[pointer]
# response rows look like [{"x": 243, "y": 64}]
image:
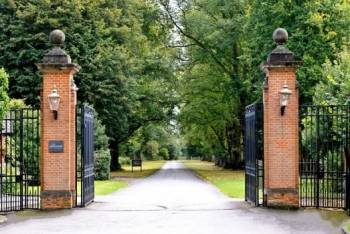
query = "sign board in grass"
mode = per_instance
[
  {"x": 148, "y": 168},
  {"x": 136, "y": 163}
]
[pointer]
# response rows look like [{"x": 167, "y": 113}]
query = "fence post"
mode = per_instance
[
  {"x": 58, "y": 108},
  {"x": 281, "y": 124}
]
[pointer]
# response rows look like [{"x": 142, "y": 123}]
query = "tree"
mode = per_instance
[
  {"x": 335, "y": 87},
  {"x": 4, "y": 98},
  {"x": 119, "y": 45},
  {"x": 149, "y": 141},
  {"x": 164, "y": 154},
  {"x": 214, "y": 89},
  {"x": 226, "y": 41},
  {"x": 317, "y": 30}
]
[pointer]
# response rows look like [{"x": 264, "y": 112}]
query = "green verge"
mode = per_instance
[
  {"x": 148, "y": 168},
  {"x": 230, "y": 182},
  {"x": 105, "y": 187}
]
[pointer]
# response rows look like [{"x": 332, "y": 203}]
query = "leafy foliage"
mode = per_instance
[
  {"x": 317, "y": 29},
  {"x": 335, "y": 87},
  {"x": 164, "y": 154},
  {"x": 152, "y": 150},
  {"x": 102, "y": 164},
  {"x": 145, "y": 62},
  {"x": 223, "y": 43},
  {"x": 119, "y": 45},
  {"x": 4, "y": 99}
]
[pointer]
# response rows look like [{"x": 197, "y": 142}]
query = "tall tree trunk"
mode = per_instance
[
  {"x": 233, "y": 132},
  {"x": 234, "y": 154},
  {"x": 237, "y": 159},
  {"x": 114, "y": 149}
]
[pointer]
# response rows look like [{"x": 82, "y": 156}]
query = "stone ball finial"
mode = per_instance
[
  {"x": 57, "y": 37},
  {"x": 280, "y": 36}
]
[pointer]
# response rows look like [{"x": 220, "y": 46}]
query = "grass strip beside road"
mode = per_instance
[
  {"x": 105, "y": 187},
  {"x": 230, "y": 182},
  {"x": 148, "y": 168},
  {"x": 119, "y": 179}
]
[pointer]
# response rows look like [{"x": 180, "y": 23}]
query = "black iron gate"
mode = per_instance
[
  {"x": 325, "y": 156},
  {"x": 253, "y": 153},
  {"x": 19, "y": 160},
  {"x": 85, "y": 156}
]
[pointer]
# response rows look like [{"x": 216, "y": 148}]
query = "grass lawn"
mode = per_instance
[
  {"x": 148, "y": 168},
  {"x": 230, "y": 182},
  {"x": 105, "y": 187}
]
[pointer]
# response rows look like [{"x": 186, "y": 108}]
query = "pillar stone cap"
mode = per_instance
[
  {"x": 58, "y": 66},
  {"x": 57, "y": 54},
  {"x": 281, "y": 55},
  {"x": 57, "y": 58}
]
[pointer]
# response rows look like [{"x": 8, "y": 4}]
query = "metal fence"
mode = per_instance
[
  {"x": 324, "y": 157},
  {"x": 19, "y": 160}
]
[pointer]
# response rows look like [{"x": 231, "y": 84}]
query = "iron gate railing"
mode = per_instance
[
  {"x": 253, "y": 153},
  {"x": 85, "y": 156},
  {"x": 19, "y": 160},
  {"x": 324, "y": 157}
]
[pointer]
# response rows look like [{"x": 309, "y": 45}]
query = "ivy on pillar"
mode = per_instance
[
  {"x": 281, "y": 121},
  {"x": 58, "y": 133}
]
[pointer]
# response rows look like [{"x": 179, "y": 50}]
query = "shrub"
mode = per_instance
[
  {"x": 164, "y": 154},
  {"x": 124, "y": 161},
  {"x": 8, "y": 182},
  {"x": 4, "y": 98},
  {"x": 29, "y": 134},
  {"x": 152, "y": 150},
  {"x": 102, "y": 164},
  {"x": 172, "y": 152}
]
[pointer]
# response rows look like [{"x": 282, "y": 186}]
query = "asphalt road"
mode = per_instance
[{"x": 173, "y": 200}]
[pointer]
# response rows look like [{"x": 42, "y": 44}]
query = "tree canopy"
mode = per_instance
[
  {"x": 126, "y": 69},
  {"x": 168, "y": 73},
  {"x": 225, "y": 41},
  {"x": 4, "y": 98}
]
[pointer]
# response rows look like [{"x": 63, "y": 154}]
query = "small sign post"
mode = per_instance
[{"x": 136, "y": 163}]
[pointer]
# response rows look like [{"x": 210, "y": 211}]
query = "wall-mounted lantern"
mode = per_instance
[
  {"x": 284, "y": 97},
  {"x": 54, "y": 102},
  {"x": 75, "y": 89}
]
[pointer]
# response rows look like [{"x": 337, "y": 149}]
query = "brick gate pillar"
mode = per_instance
[
  {"x": 281, "y": 135},
  {"x": 58, "y": 127}
]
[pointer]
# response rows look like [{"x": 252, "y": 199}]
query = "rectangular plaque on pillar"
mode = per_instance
[{"x": 56, "y": 146}]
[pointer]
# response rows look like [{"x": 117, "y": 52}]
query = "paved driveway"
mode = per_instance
[{"x": 174, "y": 200}]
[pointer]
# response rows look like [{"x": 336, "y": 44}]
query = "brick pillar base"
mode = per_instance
[
  {"x": 56, "y": 199},
  {"x": 283, "y": 198}
]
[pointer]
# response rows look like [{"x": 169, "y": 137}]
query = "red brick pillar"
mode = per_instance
[
  {"x": 58, "y": 135},
  {"x": 281, "y": 136}
]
